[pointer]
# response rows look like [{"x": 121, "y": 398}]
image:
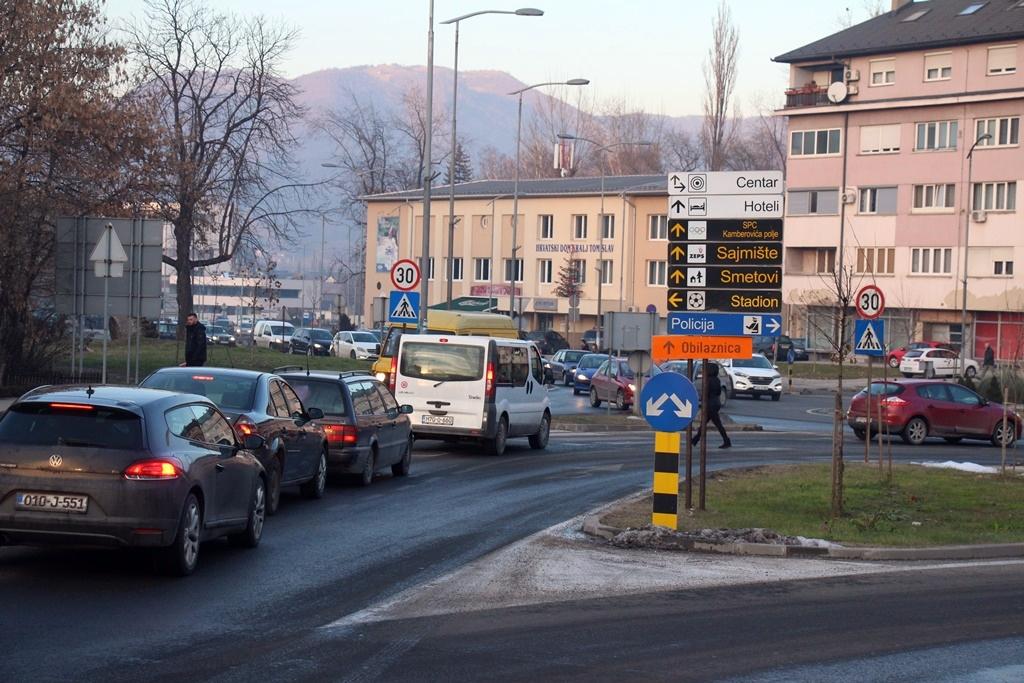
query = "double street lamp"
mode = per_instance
[
  {"x": 969, "y": 202},
  {"x": 522, "y": 12},
  {"x": 601, "y": 215},
  {"x": 515, "y": 191}
]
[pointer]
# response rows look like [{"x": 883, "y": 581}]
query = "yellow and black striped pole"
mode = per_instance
[{"x": 666, "y": 480}]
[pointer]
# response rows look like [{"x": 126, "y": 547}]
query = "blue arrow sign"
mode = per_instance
[
  {"x": 403, "y": 307},
  {"x": 869, "y": 338},
  {"x": 669, "y": 402},
  {"x": 724, "y": 324}
]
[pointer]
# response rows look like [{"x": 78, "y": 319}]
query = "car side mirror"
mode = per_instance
[
  {"x": 405, "y": 409},
  {"x": 315, "y": 413},
  {"x": 253, "y": 442}
]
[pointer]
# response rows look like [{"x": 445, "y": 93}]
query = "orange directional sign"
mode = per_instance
[{"x": 677, "y": 347}]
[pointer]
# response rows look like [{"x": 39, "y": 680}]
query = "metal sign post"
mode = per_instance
[
  {"x": 108, "y": 259},
  {"x": 668, "y": 402}
]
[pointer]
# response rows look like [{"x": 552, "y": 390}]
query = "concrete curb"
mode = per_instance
[
  {"x": 592, "y": 526},
  {"x": 557, "y": 425}
]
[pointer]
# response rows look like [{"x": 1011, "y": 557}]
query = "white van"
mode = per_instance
[
  {"x": 482, "y": 388},
  {"x": 273, "y": 334}
]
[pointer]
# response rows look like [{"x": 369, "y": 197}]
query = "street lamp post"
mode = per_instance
[
  {"x": 490, "y": 254},
  {"x": 969, "y": 203},
  {"x": 515, "y": 191},
  {"x": 522, "y": 12},
  {"x": 601, "y": 215}
]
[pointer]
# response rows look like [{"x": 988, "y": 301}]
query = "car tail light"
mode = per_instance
[
  {"x": 70, "y": 406},
  {"x": 341, "y": 434},
  {"x": 244, "y": 426},
  {"x": 893, "y": 401},
  {"x": 392, "y": 375},
  {"x": 489, "y": 388},
  {"x": 154, "y": 468}
]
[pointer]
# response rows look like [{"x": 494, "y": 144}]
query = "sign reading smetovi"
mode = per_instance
[{"x": 668, "y": 347}]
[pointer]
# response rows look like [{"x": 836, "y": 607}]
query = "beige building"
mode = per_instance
[{"x": 619, "y": 254}]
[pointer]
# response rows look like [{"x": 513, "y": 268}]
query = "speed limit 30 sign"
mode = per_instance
[
  {"x": 405, "y": 275},
  {"x": 870, "y": 302}
]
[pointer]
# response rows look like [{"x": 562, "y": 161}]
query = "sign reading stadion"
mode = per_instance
[{"x": 572, "y": 248}]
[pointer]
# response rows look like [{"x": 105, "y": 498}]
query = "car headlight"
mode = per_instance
[
  {"x": 582, "y": 377},
  {"x": 317, "y": 346},
  {"x": 231, "y": 339},
  {"x": 632, "y": 387},
  {"x": 547, "y": 366},
  {"x": 741, "y": 374},
  {"x": 381, "y": 377}
]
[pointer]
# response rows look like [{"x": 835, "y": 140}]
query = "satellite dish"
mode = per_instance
[{"x": 837, "y": 92}]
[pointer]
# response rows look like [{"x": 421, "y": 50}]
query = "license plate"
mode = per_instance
[
  {"x": 438, "y": 420},
  {"x": 51, "y": 502}
]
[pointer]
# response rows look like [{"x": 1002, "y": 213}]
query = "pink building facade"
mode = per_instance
[{"x": 882, "y": 118}]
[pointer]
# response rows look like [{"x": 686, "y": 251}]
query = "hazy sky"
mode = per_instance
[{"x": 647, "y": 52}]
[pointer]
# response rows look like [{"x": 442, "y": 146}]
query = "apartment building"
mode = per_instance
[{"x": 881, "y": 177}]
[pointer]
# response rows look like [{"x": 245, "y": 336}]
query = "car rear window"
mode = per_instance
[
  {"x": 228, "y": 392},
  {"x": 85, "y": 426},
  {"x": 573, "y": 356},
  {"x": 323, "y": 394},
  {"x": 888, "y": 389},
  {"x": 916, "y": 353},
  {"x": 590, "y": 362},
  {"x": 442, "y": 362}
]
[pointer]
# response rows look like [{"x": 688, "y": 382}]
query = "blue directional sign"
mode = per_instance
[
  {"x": 403, "y": 307},
  {"x": 724, "y": 324},
  {"x": 669, "y": 402},
  {"x": 869, "y": 338}
]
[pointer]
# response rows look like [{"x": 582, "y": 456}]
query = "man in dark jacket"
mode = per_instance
[
  {"x": 989, "y": 364},
  {"x": 714, "y": 406},
  {"x": 195, "y": 342}
]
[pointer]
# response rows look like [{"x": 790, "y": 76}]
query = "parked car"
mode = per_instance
[
  {"x": 585, "y": 369},
  {"x": 548, "y": 341},
  {"x": 896, "y": 355},
  {"x": 591, "y": 342},
  {"x": 473, "y": 388},
  {"x": 219, "y": 335},
  {"x": 226, "y": 324},
  {"x": 935, "y": 363},
  {"x": 273, "y": 334},
  {"x": 357, "y": 344},
  {"x": 562, "y": 365},
  {"x": 800, "y": 349},
  {"x": 313, "y": 341},
  {"x": 918, "y": 409},
  {"x": 679, "y": 367},
  {"x": 366, "y": 428},
  {"x": 128, "y": 467},
  {"x": 775, "y": 348},
  {"x": 615, "y": 382},
  {"x": 755, "y": 377},
  {"x": 244, "y": 335},
  {"x": 295, "y": 447}
]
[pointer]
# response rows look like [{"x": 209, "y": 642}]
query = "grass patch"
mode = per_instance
[
  {"x": 159, "y": 353},
  {"x": 949, "y": 507}
]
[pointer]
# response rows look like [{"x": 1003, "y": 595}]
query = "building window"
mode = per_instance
[
  {"x": 430, "y": 268},
  {"x": 546, "y": 272},
  {"x": 999, "y": 196},
  {"x": 1002, "y": 268},
  {"x": 1005, "y": 131},
  {"x": 579, "y": 268},
  {"x": 656, "y": 273},
  {"x": 810, "y": 260},
  {"x": 518, "y": 272},
  {"x": 606, "y": 269},
  {"x": 546, "y": 226},
  {"x": 579, "y": 227},
  {"x": 934, "y": 197},
  {"x": 938, "y": 66},
  {"x": 934, "y": 260},
  {"x": 658, "y": 227},
  {"x": 1002, "y": 60},
  {"x": 876, "y": 260},
  {"x": 456, "y": 269},
  {"x": 877, "y": 200},
  {"x": 607, "y": 226},
  {"x": 936, "y": 135},
  {"x": 880, "y": 139},
  {"x": 482, "y": 269},
  {"x": 825, "y": 261},
  {"x": 883, "y": 72},
  {"x": 810, "y": 202},
  {"x": 814, "y": 143}
]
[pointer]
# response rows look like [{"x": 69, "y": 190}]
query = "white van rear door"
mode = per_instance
[{"x": 444, "y": 382}]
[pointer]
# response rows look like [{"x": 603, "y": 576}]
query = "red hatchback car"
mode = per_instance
[
  {"x": 918, "y": 409},
  {"x": 615, "y": 382},
  {"x": 896, "y": 355}
]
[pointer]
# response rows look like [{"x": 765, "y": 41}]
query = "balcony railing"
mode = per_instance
[{"x": 806, "y": 96}]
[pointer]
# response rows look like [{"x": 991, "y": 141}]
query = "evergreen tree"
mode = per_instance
[{"x": 463, "y": 166}]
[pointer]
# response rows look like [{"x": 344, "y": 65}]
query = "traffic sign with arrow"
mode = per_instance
[
  {"x": 724, "y": 324},
  {"x": 667, "y": 347},
  {"x": 669, "y": 402},
  {"x": 725, "y": 230}
]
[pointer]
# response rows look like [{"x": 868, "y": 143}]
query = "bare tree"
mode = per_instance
[
  {"x": 411, "y": 128},
  {"x": 761, "y": 141},
  {"x": 227, "y": 119},
  {"x": 621, "y": 123},
  {"x": 495, "y": 165},
  {"x": 552, "y": 114},
  {"x": 682, "y": 151},
  {"x": 720, "y": 72}
]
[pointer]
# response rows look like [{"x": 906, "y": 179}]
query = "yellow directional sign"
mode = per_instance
[
  {"x": 676, "y": 275},
  {"x": 677, "y": 252},
  {"x": 677, "y": 229},
  {"x": 675, "y": 301}
]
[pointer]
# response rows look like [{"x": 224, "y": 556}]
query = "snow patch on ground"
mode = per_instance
[
  {"x": 960, "y": 466},
  {"x": 667, "y": 539}
]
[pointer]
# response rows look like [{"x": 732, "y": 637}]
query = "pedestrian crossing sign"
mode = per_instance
[
  {"x": 403, "y": 307},
  {"x": 869, "y": 338}
]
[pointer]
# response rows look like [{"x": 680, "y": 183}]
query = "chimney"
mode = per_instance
[{"x": 897, "y": 5}]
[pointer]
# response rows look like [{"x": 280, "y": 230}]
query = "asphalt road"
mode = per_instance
[{"x": 102, "y": 615}]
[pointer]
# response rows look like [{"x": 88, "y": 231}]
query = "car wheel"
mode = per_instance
[
  {"x": 314, "y": 488},
  {"x": 894, "y": 362},
  {"x": 180, "y": 558},
  {"x": 724, "y": 396},
  {"x": 369, "y": 468},
  {"x": 274, "y": 486},
  {"x": 999, "y": 438},
  {"x": 352, "y": 354},
  {"x": 953, "y": 439},
  {"x": 539, "y": 441},
  {"x": 732, "y": 392},
  {"x": 594, "y": 400},
  {"x": 970, "y": 372},
  {"x": 776, "y": 397},
  {"x": 915, "y": 432},
  {"x": 401, "y": 468},
  {"x": 568, "y": 380},
  {"x": 860, "y": 434},
  {"x": 250, "y": 538},
  {"x": 620, "y": 400},
  {"x": 575, "y": 391},
  {"x": 497, "y": 444}
]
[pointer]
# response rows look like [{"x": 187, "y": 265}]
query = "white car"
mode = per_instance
[
  {"x": 355, "y": 345},
  {"x": 273, "y": 334},
  {"x": 935, "y": 363},
  {"x": 756, "y": 376}
]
